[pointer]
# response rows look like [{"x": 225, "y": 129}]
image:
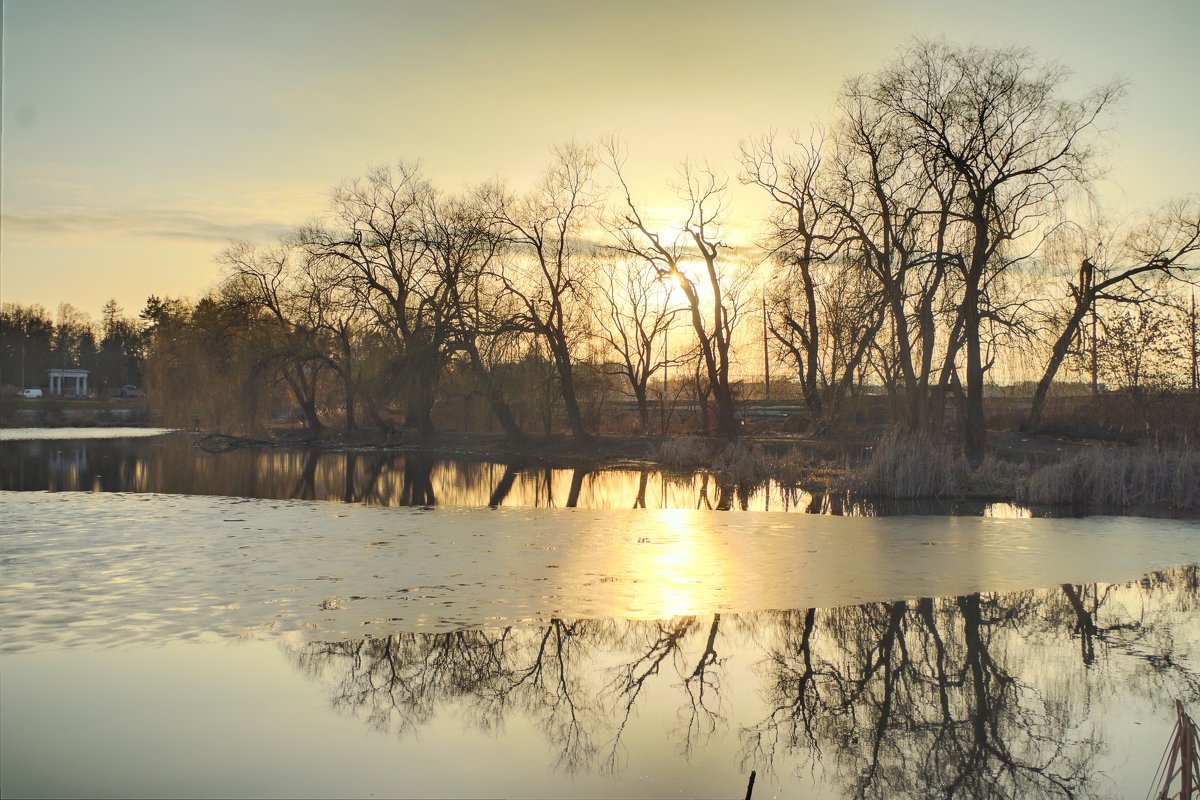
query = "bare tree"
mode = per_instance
[
  {"x": 804, "y": 231},
  {"x": 463, "y": 241},
  {"x": 632, "y": 322},
  {"x": 711, "y": 292},
  {"x": 546, "y": 277},
  {"x": 897, "y": 205},
  {"x": 1164, "y": 247},
  {"x": 262, "y": 280},
  {"x": 377, "y": 239},
  {"x": 995, "y": 121}
]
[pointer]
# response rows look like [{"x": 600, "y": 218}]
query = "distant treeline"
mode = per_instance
[
  {"x": 33, "y": 342},
  {"x": 920, "y": 243}
]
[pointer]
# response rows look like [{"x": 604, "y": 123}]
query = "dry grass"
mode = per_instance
[
  {"x": 685, "y": 452},
  {"x": 911, "y": 465},
  {"x": 738, "y": 462},
  {"x": 792, "y": 467},
  {"x": 741, "y": 463},
  {"x": 997, "y": 478},
  {"x": 1113, "y": 476}
]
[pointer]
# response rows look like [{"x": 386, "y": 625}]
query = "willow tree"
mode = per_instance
[
  {"x": 462, "y": 241},
  {"x": 997, "y": 122},
  {"x": 376, "y": 240},
  {"x": 260, "y": 285}
]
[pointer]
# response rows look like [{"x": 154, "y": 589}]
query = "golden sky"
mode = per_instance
[{"x": 140, "y": 137}]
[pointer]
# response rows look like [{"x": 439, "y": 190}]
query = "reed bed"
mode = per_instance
[
  {"x": 741, "y": 464},
  {"x": 1113, "y": 476},
  {"x": 911, "y": 465},
  {"x": 685, "y": 452}
]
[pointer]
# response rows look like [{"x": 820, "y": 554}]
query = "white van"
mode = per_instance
[{"x": 30, "y": 394}]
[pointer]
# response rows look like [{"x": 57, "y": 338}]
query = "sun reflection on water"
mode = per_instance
[{"x": 681, "y": 564}]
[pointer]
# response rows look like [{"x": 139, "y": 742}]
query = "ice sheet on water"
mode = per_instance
[
  {"x": 119, "y": 568},
  {"x": 63, "y": 434}
]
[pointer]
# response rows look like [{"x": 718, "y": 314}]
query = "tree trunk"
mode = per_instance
[
  {"x": 346, "y": 371},
  {"x": 974, "y": 427},
  {"x": 495, "y": 399},
  {"x": 643, "y": 406},
  {"x": 566, "y": 378},
  {"x": 1057, "y": 355},
  {"x": 503, "y": 487},
  {"x": 812, "y": 346},
  {"x": 577, "y": 476},
  {"x": 726, "y": 417},
  {"x": 417, "y": 489},
  {"x": 425, "y": 363},
  {"x": 305, "y": 401},
  {"x": 351, "y": 422},
  {"x": 640, "y": 500},
  {"x": 419, "y": 409}
]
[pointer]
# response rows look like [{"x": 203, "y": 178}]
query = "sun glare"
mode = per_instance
[{"x": 679, "y": 567}]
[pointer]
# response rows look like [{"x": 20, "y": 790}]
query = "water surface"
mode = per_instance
[
  {"x": 207, "y": 643},
  {"x": 110, "y": 460}
]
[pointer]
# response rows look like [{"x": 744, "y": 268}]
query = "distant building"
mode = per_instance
[{"x": 78, "y": 378}]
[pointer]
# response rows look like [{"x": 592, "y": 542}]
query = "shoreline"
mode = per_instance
[{"x": 918, "y": 471}]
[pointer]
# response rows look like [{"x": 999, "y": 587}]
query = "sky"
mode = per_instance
[{"x": 140, "y": 138}]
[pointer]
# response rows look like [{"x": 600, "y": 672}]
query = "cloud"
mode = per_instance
[{"x": 220, "y": 225}]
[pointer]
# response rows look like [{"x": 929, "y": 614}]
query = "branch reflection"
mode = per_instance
[{"x": 983, "y": 695}]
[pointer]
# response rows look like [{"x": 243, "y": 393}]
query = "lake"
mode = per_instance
[{"x": 269, "y": 623}]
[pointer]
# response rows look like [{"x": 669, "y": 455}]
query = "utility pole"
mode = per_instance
[
  {"x": 1086, "y": 280},
  {"x": 662, "y": 406},
  {"x": 767, "y": 352},
  {"x": 1095, "y": 369},
  {"x": 1195, "y": 365}
]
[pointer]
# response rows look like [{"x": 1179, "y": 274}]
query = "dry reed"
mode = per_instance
[
  {"x": 741, "y": 464},
  {"x": 1112, "y": 476},
  {"x": 909, "y": 465},
  {"x": 685, "y": 452}
]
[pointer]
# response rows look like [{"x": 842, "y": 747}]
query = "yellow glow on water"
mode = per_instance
[{"x": 680, "y": 565}]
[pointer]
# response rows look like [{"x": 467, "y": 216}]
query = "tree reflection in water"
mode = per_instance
[
  {"x": 170, "y": 464},
  {"x": 925, "y": 699},
  {"x": 950, "y": 697}
]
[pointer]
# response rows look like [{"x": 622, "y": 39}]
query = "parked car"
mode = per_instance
[{"x": 30, "y": 394}]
